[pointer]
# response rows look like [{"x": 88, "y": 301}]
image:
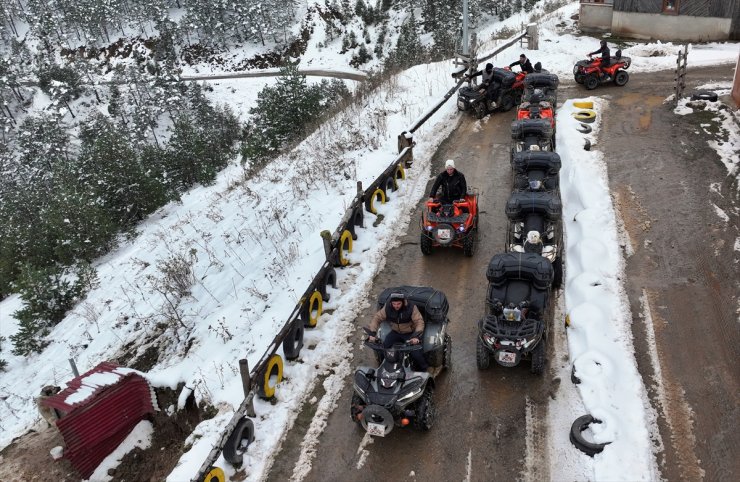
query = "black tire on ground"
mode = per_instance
[
  {"x": 621, "y": 78},
  {"x": 480, "y": 109},
  {"x": 239, "y": 441},
  {"x": 447, "y": 363},
  {"x": 557, "y": 267},
  {"x": 426, "y": 244},
  {"x": 591, "y": 81},
  {"x": 425, "y": 409},
  {"x": 390, "y": 186},
  {"x": 538, "y": 358},
  {"x": 584, "y": 128},
  {"x": 355, "y": 407},
  {"x": 704, "y": 95},
  {"x": 507, "y": 103},
  {"x": 576, "y": 437},
  {"x": 293, "y": 341},
  {"x": 436, "y": 357},
  {"x": 469, "y": 245},
  {"x": 482, "y": 355}
]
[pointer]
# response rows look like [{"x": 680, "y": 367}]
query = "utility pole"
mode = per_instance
[{"x": 465, "y": 58}]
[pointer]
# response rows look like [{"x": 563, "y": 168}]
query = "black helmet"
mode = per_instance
[
  {"x": 489, "y": 67},
  {"x": 538, "y": 66}
]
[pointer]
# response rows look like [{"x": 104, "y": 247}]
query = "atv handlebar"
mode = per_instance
[{"x": 403, "y": 347}]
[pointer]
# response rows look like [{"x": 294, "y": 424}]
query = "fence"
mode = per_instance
[{"x": 263, "y": 378}]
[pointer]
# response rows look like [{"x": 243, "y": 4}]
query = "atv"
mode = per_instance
[
  {"x": 499, "y": 95},
  {"x": 532, "y": 135},
  {"x": 545, "y": 83},
  {"x": 535, "y": 226},
  {"x": 514, "y": 326},
  {"x": 589, "y": 73},
  {"x": 396, "y": 393},
  {"x": 446, "y": 225},
  {"x": 393, "y": 393},
  {"x": 536, "y": 107},
  {"x": 535, "y": 171}
]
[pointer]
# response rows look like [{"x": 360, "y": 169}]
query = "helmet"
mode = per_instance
[
  {"x": 397, "y": 296},
  {"x": 489, "y": 67},
  {"x": 538, "y": 66}
]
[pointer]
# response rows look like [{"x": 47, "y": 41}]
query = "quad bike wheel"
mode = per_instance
[
  {"x": 480, "y": 110},
  {"x": 538, "y": 358},
  {"x": 591, "y": 81},
  {"x": 579, "y": 78},
  {"x": 425, "y": 411},
  {"x": 426, "y": 244},
  {"x": 507, "y": 103},
  {"x": 447, "y": 363},
  {"x": 482, "y": 355},
  {"x": 621, "y": 78},
  {"x": 557, "y": 267},
  {"x": 355, "y": 408},
  {"x": 469, "y": 245}
]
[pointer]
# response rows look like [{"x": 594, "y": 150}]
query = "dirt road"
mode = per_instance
[{"x": 682, "y": 262}]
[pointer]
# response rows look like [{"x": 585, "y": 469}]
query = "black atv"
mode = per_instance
[
  {"x": 532, "y": 135},
  {"x": 392, "y": 394},
  {"x": 535, "y": 226},
  {"x": 498, "y": 96},
  {"x": 535, "y": 171},
  {"x": 514, "y": 326}
]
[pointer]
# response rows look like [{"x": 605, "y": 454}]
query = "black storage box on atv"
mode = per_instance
[
  {"x": 505, "y": 77},
  {"x": 544, "y": 203},
  {"x": 433, "y": 306},
  {"x": 540, "y": 128},
  {"x": 541, "y": 81},
  {"x": 514, "y": 277},
  {"x": 522, "y": 162}
]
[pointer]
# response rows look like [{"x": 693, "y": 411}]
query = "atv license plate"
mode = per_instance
[
  {"x": 376, "y": 429},
  {"x": 506, "y": 357},
  {"x": 443, "y": 234},
  {"x": 461, "y": 105}
]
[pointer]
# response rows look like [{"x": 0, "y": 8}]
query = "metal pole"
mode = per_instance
[
  {"x": 465, "y": 29},
  {"x": 74, "y": 367}
]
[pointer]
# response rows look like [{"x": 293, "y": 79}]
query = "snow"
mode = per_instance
[
  {"x": 140, "y": 437},
  {"x": 254, "y": 246}
]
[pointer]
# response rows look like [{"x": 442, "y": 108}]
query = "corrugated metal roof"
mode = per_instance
[{"x": 94, "y": 426}]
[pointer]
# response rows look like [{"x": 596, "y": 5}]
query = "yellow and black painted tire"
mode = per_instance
[
  {"x": 586, "y": 115},
  {"x": 583, "y": 104},
  {"x": 400, "y": 173},
  {"x": 345, "y": 244},
  {"x": 274, "y": 368},
  {"x": 314, "y": 303},
  {"x": 379, "y": 194},
  {"x": 215, "y": 474}
]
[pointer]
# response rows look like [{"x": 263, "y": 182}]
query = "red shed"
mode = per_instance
[{"x": 98, "y": 410}]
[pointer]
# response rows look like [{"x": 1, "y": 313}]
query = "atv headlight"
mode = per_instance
[
  {"x": 489, "y": 339},
  {"x": 461, "y": 229},
  {"x": 411, "y": 394}
]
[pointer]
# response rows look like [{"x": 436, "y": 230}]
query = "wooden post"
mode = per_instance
[
  {"x": 246, "y": 384},
  {"x": 533, "y": 37},
  {"x": 74, "y": 367},
  {"x": 326, "y": 236},
  {"x": 681, "y": 72}
]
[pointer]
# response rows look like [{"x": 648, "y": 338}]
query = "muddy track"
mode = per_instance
[{"x": 490, "y": 424}]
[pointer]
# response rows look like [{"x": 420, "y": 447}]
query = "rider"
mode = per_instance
[
  {"x": 452, "y": 183},
  {"x": 486, "y": 81},
  {"x": 407, "y": 325},
  {"x": 524, "y": 63},
  {"x": 605, "y": 56}
]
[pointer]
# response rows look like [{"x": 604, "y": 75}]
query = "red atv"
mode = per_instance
[
  {"x": 534, "y": 106},
  {"x": 589, "y": 73},
  {"x": 445, "y": 225}
]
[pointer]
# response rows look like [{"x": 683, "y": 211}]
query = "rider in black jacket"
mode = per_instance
[
  {"x": 452, "y": 183},
  {"x": 605, "y": 55},
  {"x": 524, "y": 63}
]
